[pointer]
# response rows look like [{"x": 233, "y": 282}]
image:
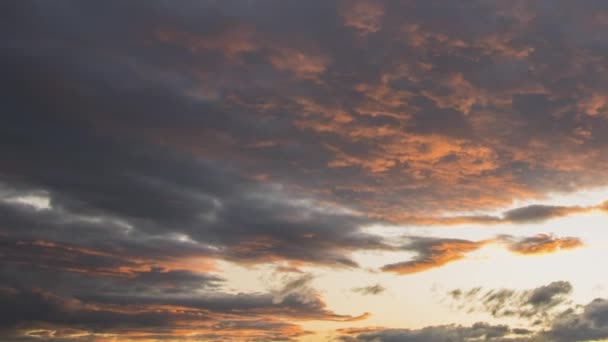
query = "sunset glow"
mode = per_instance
[{"x": 349, "y": 170}]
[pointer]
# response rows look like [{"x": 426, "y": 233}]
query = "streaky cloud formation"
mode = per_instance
[
  {"x": 541, "y": 243},
  {"x": 434, "y": 253},
  {"x": 576, "y": 324},
  {"x": 539, "y": 304},
  {"x": 478, "y": 331},
  {"x": 370, "y": 290},
  {"x": 535, "y": 213}
]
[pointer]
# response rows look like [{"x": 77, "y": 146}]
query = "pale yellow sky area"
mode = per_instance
[{"x": 420, "y": 299}]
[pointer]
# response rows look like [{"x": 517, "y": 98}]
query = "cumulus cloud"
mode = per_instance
[
  {"x": 575, "y": 325},
  {"x": 541, "y": 243},
  {"x": 420, "y": 114},
  {"x": 535, "y": 213},
  {"x": 477, "y": 332},
  {"x": 155, "y": 304}
]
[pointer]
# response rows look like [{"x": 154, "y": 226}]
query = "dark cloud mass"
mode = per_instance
[
  {"x": 541, "y": 243},
  {"x": 145, "y": 144}
]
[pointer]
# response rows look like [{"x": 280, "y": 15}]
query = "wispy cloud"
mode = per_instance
[{"x": 370, "y": 290}]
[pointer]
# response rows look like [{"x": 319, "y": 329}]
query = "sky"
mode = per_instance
[{"x": 281, "y": 170}]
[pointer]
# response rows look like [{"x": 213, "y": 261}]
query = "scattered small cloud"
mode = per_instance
[{"x": 370, "y": 290}]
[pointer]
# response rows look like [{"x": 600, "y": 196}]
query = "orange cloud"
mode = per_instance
[
  {"x": 435, "y": 253},
  {"x": 52, "y": 255},
  {"x": 542, "y": 244},
  {"x": 359, "y": 330},
  {"x": 365, "y": 16},
  {"x": 302, "y": 64}
]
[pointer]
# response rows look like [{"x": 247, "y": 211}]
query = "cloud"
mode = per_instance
[
  {"x": 539, "y": 213},
  {"x": 158, "y": 303},
  {"x": 433, "y": 253},
  {"x": 299, "y": 286},
  {"x": 363, "y": 16},
  {"x": 427, "y": 126},
  {"x": 437, "y": 252},
  {"x": 538, "y": 305},
  {"x": 541, "y": 243},
  {"x": 301, "y": 64},
  {"x": 370, "y": 290},
  {"x": 451, "y": 87},
  {"x": 212, "y": 214},
  {"x": 476, "y": 332}
]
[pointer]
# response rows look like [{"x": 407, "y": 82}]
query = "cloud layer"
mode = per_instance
[
  {"x": 143, "y": 145},
  {"x": 560, "y": 322}
]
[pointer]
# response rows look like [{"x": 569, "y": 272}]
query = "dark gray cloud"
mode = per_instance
[
  {"x": 570, "y": 323},
  {"x": 590, "y": 324},
  {"x": 540, "y": 244},
  {"x": 183, "y": 77},
  {"x": 538, "y": 305},
  {"x": 430, "y": 252},
  {"x": 538, "y": 213},
  {"x": 534, "y": 213},
  {"x": 370, "y": 290},
  {"x": 150, "y": 304},
  {"x": 477, "y": 332},
  {"x": 254, "y": 222}
]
